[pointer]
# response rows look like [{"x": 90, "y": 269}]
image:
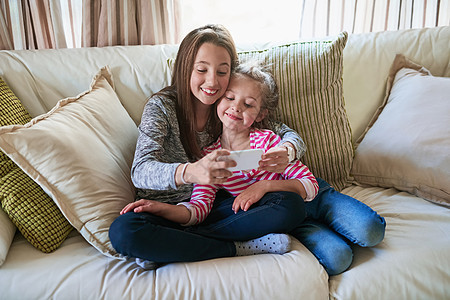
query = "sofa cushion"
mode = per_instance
[
  {"x": 406, "y": 145},
  {"x": 309, "y": 77},
  {"x": 80, "y": 153},
  {"x": 33, "y": 212},
  {"x": 412, "y": 261}
]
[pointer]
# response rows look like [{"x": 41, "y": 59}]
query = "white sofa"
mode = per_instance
[{"x": 412, "y": 262}]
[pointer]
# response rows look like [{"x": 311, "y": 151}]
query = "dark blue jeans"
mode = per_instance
[
  {"x": 333, "y": 222},
  {"x": 156, "y": 239}
]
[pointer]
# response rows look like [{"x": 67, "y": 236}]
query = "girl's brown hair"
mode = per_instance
[{"x": 180, "y": 89}]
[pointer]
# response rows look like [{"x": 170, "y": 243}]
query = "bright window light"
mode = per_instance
[{"x": 249, "y": 21}]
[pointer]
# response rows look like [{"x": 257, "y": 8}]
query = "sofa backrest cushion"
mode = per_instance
[{"x": 40, "y": 78}]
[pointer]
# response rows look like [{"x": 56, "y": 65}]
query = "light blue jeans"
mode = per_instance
[{"x": 333, "y": 222}]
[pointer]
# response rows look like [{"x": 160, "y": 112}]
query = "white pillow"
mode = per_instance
[
  {"x": 80, "y": 153},
  {"x": 407, "y": 143},
  {"x": 7, "y": 231}
]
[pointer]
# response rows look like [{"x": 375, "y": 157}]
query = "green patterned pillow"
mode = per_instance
[
  {"x": 33, "y": 212},
  {"x": 309, "y": 76}
]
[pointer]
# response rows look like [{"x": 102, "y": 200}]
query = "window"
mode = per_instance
[
  {"x": 249, "y": 21},
  {"x": 252, "y": 21}
]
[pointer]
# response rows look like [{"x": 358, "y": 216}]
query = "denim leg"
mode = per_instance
[
  {"x": 347, "y": 216},
  {"x": 334, "y": 219},
  {"x": 276, "y": 212},
  {"x": 331, "y": 249},
  {"x": 156, "y": 239}
]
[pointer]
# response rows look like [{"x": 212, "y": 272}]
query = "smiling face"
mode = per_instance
[
  {"x": 211, "y": 73},
  {"x": 241, "y": 105}
]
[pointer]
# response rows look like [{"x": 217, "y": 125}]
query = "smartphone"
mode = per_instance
[{"x": 245, "y": 159}]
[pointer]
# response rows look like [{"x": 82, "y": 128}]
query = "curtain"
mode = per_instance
[
  {"x": 6, "y": 41},
  {"x": 38, "y": 25},
  {"x": 128, "y": 22},
  {"x": 328, "y": 17},
  {"x": 42, "y": 24}
]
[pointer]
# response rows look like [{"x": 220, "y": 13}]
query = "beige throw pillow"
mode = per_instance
[
  {"x": 407, "y": 143},
  {"x": 80, "y": 153}
]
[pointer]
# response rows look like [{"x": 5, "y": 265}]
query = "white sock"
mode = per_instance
[
  {"x": 275, "y": 243},
  {"x": 146, "y": 264}
]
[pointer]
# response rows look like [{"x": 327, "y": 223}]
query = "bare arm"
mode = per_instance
[
  {"x": 290, "y": 185},
  {"x": 175, "y": 213}
]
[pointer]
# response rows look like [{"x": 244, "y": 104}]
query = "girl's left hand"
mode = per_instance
[
  {"x": 249, "y": 196},
  {"x": 144, "y": 205},
  {"x": 274, "y": 160}
]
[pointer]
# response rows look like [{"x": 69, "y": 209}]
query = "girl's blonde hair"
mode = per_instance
[{"x": 269, "y": 88}]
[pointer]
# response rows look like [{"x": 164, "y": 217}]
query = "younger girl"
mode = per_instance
[
  {"x": 334, "y": 220},
  {"x": 252, "y": 93}
]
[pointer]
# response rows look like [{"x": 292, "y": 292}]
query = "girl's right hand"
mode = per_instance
[
  {"x": 209, "y": 170},
  {"x": 175, "y": 213}
]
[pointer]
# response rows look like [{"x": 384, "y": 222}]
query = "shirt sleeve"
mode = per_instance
[
  {"x": 299, "y": 171},
  {"x": 201, "y": 202},
  {"x": 151, "y": 168},
  {"x": 271, "y": 139},
  {"x": 289, "y": 135}
]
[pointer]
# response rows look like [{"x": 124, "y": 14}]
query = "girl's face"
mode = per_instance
[
  {"x": 211, "y": 73},
  {"x": 241, "y": 105}
]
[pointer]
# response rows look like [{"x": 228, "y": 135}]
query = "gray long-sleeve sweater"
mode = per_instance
[{"x": 159, "y": 151}]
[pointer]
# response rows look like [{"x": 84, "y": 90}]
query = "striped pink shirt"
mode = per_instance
[{"x": 203, "y": 196}]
